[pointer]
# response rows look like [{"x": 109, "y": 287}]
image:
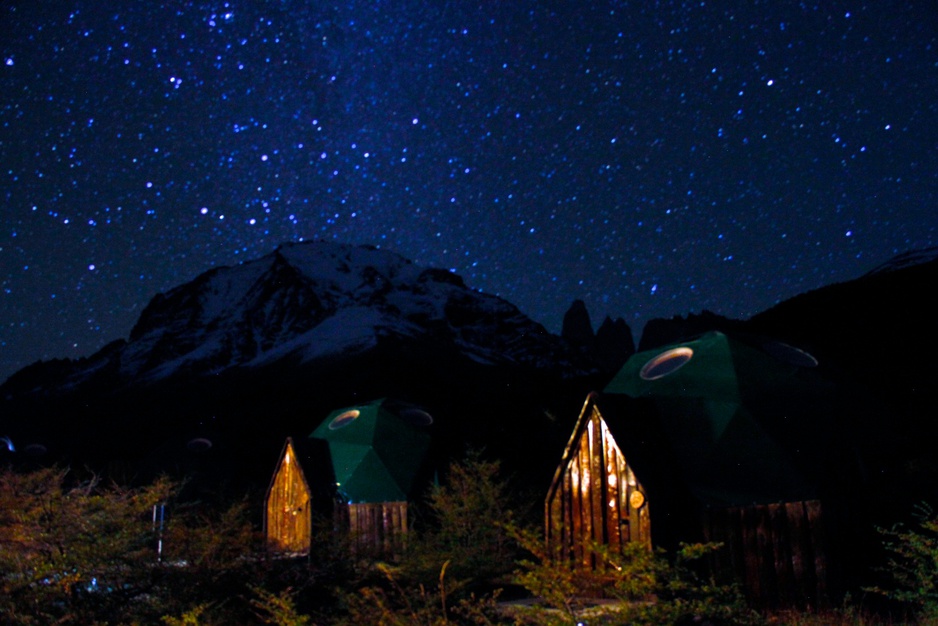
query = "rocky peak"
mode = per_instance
[
  {"x": 608, "y": 348},
  {"x": 577, "y": 329},
  {"x": 614, "y": 344},
  {"x": 659, "y": 332}
]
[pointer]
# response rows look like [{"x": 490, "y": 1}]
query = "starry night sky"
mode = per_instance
[{"x": 650, "y": 158}]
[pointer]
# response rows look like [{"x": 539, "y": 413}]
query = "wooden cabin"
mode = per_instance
[
  {"x": 619, "y": 482},
  {"x": 303, "y": 489},
  {"x": 595, "y": 496},
  {"x": 288, "y": 513},
  {"x": 378, "y": 456},
  {"x": 716, "y": 438},
  {"x": 360, "y": 467}
]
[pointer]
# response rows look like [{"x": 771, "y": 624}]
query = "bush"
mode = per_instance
[
  {"x": 649, "y": 588},
  {"x": 77, "y": 554},
  {"x": 277, "y": 609},
  {"x": 81, "y": 552},
  {"x": 470, "y": 514},
  {"x": 392, "y": 604},
  {"x": 913, "y": 564},
  {"x": 446, "y": 573}
]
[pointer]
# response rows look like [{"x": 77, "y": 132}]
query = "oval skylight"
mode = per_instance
[
  {"x": 35, "y": 449},
  {"x": 344, "y": 419},
  {"x": 199, "y": 444},
  {"x": 666, "y": 363},
  {"x": 790, "y": 354},
  {"x": 417, "y": 417}
]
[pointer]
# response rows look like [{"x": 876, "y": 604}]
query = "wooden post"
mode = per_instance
[
  {"x": 802, "y": 559},
  {"x": 816, "y": 530},
  {"x": 782, "y": 548}
]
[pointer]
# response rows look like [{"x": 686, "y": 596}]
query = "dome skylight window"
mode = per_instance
[
  {"x": 790, "y": 354},
  {"x": 199, "y": 444},
  {"x": 666, "y": 363},
  {"x": 344, "y": 419},
  {"x": 417, "y": 417}
]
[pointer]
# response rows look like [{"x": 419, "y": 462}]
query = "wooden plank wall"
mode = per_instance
[
  {"x": 593, "y": 502},
  {"x": 289, "y": 515},
  {"x": 776, "y": 551},
  {"x": 377, "y": 528}
]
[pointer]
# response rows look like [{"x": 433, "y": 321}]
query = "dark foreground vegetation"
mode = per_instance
[{"x": 79, "y": 551}]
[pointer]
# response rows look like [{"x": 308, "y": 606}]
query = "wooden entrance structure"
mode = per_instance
[
  {"x": 595, "y": 497},
  {"x": 288, "y": 511}
]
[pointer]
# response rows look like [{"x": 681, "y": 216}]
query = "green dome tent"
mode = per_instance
[
  {"x": 376, "y": 453},
  {"x": 726, "y": 407}
]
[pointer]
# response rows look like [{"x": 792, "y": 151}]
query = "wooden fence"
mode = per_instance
[
  {"x": 375, "y": 528},
  {"x": 777, "y": 551}
]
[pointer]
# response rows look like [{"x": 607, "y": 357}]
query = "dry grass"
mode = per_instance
[{"x": 845, "y": 617}]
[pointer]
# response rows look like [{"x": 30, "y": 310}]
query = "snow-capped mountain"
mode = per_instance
[
  {"x": 243, "y": 356},
  {"x": 311, "y": 301}
]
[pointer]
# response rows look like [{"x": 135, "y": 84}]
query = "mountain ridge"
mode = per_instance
[
  {"x": 296, "y": 302},
  {"x": 247, "y": 354}
]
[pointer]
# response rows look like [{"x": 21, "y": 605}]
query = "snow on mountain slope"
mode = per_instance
[
  {"x": 309, "y": 300},
  {"x": 906, "y": 259},
  {"x": 351, "y": 330}
]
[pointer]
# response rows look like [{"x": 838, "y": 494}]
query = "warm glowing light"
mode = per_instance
[
  {"x": 666, "y": 363},
  {"x": 344, "y": 419}
]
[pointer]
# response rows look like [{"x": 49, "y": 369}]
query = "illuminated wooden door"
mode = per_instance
[
  {"x": 289, "y": 517},
  {"x": 597, "y": 498}
]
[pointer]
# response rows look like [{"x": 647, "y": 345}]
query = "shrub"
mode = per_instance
[
  {"x": 913, "y": 564},
  {"x": 445, "y": 574},
  {"x": 392, "y": 604},
  {"x": 649, "y": 588},
  {"x": 74, "y": 554},
  {"x": 470, "y": 513},
  {"x": 277, "y": 609},
  {"x": 82, "y": 552}
]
